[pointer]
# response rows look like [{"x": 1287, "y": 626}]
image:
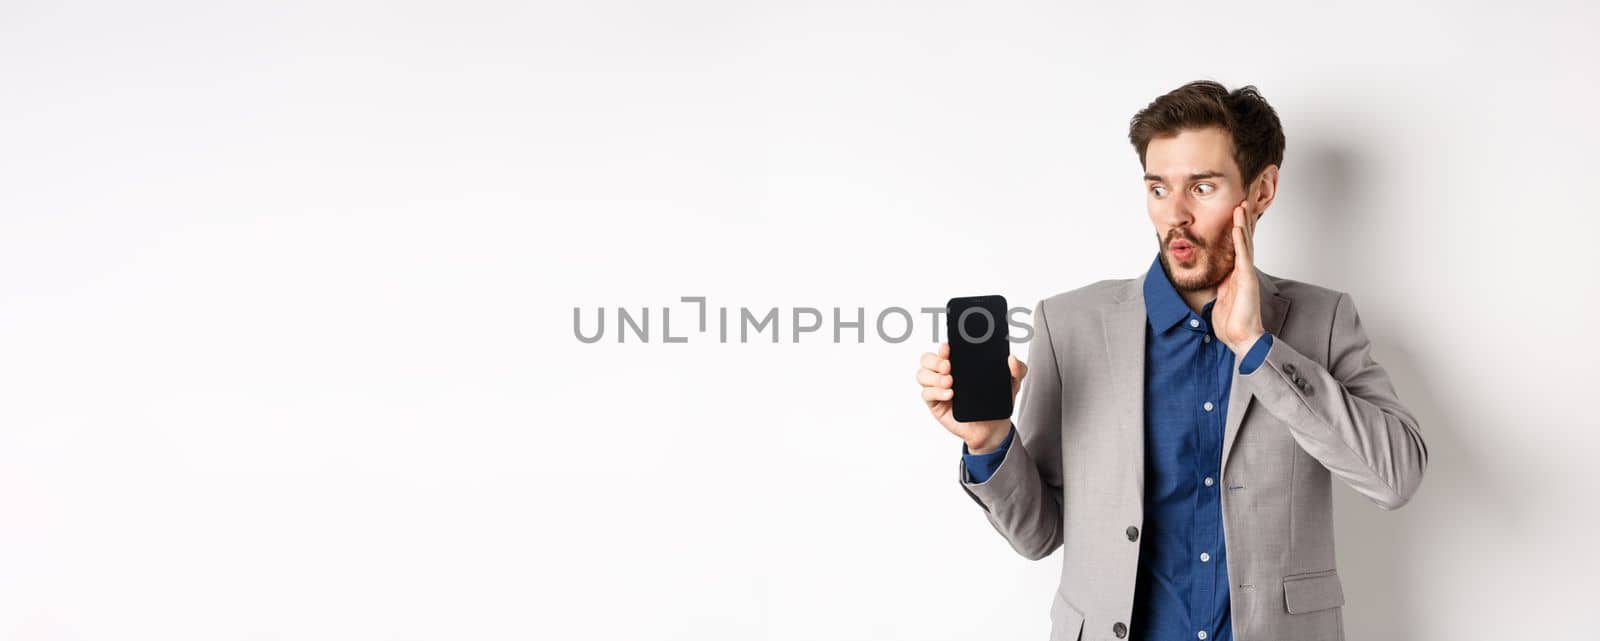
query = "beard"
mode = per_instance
[{"x": 1214, "y": 262}]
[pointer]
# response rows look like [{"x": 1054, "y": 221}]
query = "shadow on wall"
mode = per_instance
[{"x": 1378, "y": 550}]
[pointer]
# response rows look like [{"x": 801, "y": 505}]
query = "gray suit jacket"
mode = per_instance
[{"x": 1318, "y": 407}]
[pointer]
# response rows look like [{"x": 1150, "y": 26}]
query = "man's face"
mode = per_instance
[{"x": 1191, "y": 188}]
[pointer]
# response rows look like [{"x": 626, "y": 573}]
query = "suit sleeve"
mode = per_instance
[
  {"x": 1022, "y": 498},
  {"x": 1346, "y": 416}
]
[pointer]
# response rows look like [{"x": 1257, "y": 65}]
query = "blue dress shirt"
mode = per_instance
[{"x": 1182, "y": 587}]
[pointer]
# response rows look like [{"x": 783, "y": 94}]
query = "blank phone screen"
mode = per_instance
[{"x": 976, "y": 327}]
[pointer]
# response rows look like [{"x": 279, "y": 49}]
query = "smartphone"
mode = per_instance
[{"x": 979, "y": 347}]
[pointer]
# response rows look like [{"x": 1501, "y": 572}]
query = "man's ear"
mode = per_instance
[{"x": 1263, "y": 189}]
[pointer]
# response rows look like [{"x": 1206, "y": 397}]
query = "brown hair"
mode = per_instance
[{"x": 1243, "y": 113}]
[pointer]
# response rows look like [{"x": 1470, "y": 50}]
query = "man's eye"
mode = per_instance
[
  {"x": 1205, "y": 188},
  {"x": 1159, "y": 191}
]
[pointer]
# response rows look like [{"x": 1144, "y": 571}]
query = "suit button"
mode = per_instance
[
  {"x": 1133, "y": 533},
  {"x": 1119, "y": 630},
  {"x": 1288, "y": 368}
]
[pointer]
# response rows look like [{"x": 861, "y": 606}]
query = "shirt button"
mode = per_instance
[
  {"x": 1194, "y": 323},
  {"x": 1202, "y": 634},
  {"x": 1205, "y": 556},
  {"x": 1209, "y": 482},
  {"x": 1206, "y": 338},
  {"x": 1133, "y": 533},
  {"x": 1208, "y": 406},
  {"x": 1120, "y": 630}
]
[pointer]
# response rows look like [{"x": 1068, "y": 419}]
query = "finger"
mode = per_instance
[
  {"x": 1250, "y": 237},
  {"x": 1251, "y": 218},
  {"x": 929, "y": 378},
  {"x": 1240, "y": 222},
  {"x": 935, "y": 394},
  {"x": 1244, "y": 256},
  {"x": 1019, "y": 369},
  {"x": 944, "y": 350},
  {"x": 1250, "y": 243},
  {"x": 935, "y": 363},
  {"x": 1242, "y": 253},
  {"x": 1250, "y": 229}
]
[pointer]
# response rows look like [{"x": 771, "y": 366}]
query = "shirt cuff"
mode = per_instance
[
  {"x": 1258, "y": 353},
  {"x": 982, "y": 466}
]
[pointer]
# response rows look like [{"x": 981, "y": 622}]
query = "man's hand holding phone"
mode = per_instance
[{"x": 938, "y": 390}]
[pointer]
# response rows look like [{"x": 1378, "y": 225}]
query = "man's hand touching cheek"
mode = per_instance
[{"x": 1237, "y": 313}]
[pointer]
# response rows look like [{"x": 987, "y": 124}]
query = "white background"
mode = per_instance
[{"x": 286, "y": 345}]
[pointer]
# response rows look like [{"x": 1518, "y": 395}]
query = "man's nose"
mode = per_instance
[{"x": 1179, "y": 213}]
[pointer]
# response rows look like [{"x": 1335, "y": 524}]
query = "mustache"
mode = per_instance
[{"x": 1176, "y": 234}]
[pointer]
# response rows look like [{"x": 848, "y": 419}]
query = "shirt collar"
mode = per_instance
[{"x": 1162, "y": 304}]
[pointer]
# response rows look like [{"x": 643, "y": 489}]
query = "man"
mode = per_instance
[{"x": 1179, "y": 430}]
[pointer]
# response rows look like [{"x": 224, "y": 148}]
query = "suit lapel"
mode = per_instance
[
  {"x": 1124, "y": 325},
  {"x": 1274, "y": 309}
]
